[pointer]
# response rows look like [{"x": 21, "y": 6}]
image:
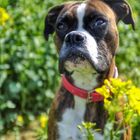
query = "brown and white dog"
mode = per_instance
[{"x": 86, "y": 37}]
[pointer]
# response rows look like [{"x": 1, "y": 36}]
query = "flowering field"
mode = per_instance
[{"x": 28, "y": 67}]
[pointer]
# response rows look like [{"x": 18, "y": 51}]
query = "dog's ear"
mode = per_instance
[
  {"x": 51, "y": 19},
  {"x": 122, "y": 10}
]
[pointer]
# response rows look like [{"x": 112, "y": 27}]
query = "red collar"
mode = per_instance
[{"x": 90, "y": 96}]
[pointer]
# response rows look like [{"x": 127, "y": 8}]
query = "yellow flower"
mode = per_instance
[
  {"x": 125, "y": 95},
  {"x": 43, "y": 120},
  {"x": 3, "y": 16},
  {"x": 134, "y": 98},
  {"x": 20, "y": 120},
  {"x": 104, "y": 91},
  {"x": 107, "y": 103},
  {"x": 88, "y": 125}
]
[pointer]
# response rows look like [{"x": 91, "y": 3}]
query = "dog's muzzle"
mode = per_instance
[{"x": 74, "y": 49}]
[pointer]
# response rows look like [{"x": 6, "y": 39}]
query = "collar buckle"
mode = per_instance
[{"x": 89, "y": 96}]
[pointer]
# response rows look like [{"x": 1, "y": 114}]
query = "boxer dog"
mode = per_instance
[{"x": 86, "y": 38}]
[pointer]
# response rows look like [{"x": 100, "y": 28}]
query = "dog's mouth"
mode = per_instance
[{"x": 75, "y": 60}]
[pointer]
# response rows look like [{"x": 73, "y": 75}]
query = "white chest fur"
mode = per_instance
[
  {"x": 70, "y": 120},
  {"x": 67, "y": 128}
]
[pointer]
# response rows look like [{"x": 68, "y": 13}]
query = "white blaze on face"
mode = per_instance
[
  {"x": 80, "y": 14},
  {"x": 91, "y": 44}
]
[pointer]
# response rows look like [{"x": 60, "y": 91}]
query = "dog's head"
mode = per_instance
[{"x": 86, "y": 32}]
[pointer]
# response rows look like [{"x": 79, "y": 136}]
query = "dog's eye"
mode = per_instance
[
  {"x": 99, "y": 22},
  {"x": 61, "y": 26}
]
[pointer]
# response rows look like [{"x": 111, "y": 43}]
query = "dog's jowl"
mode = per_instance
[{"x": 86, "y": 38}]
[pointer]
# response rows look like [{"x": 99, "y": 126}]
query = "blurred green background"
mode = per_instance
[{"x": 29, "y": 73}]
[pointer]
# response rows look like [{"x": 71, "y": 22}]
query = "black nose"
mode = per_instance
[{"x": 74, "y": 37}]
